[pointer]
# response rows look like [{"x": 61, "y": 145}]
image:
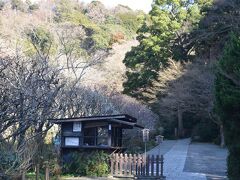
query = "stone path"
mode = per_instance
[
  {"x": 175, "y": 161},
  {"x": 163, "y": 148},
  {"x": 208, "y": 159},
  {"x": 181, "y": 162}
]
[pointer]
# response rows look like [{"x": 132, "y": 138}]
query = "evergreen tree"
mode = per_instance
[
  {"x": 227, "y": 94},
  {"x": 161, "y": 38}
]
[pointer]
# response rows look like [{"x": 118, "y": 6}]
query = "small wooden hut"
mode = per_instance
[{"x": 94, "y": 132}]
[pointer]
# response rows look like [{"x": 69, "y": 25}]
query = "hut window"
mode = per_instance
[
  {"x": 71, "y": 141},
  {"x": 77, "y": 126},
  {"x": 89, "y": 136},
  {"x": 102, "y": 136}
]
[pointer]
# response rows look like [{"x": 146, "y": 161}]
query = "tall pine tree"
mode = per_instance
[{"x": 227, "y": 93}]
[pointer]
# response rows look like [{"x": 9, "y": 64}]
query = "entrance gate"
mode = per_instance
[{"x": 128, "y": 165}]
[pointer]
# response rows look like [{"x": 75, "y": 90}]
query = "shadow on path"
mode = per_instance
[
  {"x": 208, "y": 159},
  {"x": 192, "y": 161}
]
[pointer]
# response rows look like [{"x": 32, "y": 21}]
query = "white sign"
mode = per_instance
[
  {"x": 71, "y": 141},
  {"x": 77, "y": 126},
  {"x": 145, "y": 135}
]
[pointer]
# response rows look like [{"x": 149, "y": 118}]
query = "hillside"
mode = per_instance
[
  {"x": 62, "y": 59},
  {"x": 95, "y": 26},
  {"x": 112, "y": 71},
  {"x": 72, "y": 33}
]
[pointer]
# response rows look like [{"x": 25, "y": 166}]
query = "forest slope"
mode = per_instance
[{"x": 111, "y": 72}]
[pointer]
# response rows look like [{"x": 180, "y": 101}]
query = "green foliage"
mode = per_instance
[
  {"x": 160, "y": 39},
  {"x": 33, "y": 7},
  {"x": 7, "y": 156},
  {"x": 99, "y": 35},
  {"x": 136, "y": 145},
  {"x": 130, "y": 22},
  {"x": 18, "y": 5},
  {"x": 2, "y": 4},
  {"x": 227, "y": 94},
  {"x": 205, "y": 131},
  {"x": 40, "y": 41},
  {"x": 87, "y": 164}
]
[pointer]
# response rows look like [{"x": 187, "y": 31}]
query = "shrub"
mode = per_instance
[
  {"x": 130, "y": 21},
  {"x": 40, "y": 40},
  {"x": 33, "y": 7},
  {"x": 86, "y": 164},
  {"x": 18, "y": 5},
  {"x": 2, "y": 4},
  {"x": 205, "y": 131}
]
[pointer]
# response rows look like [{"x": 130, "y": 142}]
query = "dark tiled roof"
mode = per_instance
[{"x": 118, "y": 118}]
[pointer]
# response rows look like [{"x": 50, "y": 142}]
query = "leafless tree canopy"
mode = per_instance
[{"x": 41, "y": 87}]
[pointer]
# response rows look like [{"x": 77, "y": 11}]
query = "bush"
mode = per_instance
[
  {"x": 33, "y": 7},
  {"x": 136, "y": 145},
  {"x": 40, "y": 40},
  {"x": 130, "y": 21},
  {"x": 18, "y": 5},
  {"x": 86, "y": 164},
  {"x": 205, "y": 131},
  {"x": 2, "y": 4}
]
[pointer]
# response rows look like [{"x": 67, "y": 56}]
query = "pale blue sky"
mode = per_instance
[{"x": 133, "y": 4}]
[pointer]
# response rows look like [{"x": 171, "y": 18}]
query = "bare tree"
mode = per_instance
[
  {"x": 84, "y": 101},
  {"x": 183, "y": 88},
  {"x": 35, "y": 89},
  {"x": 75, "y": 59}
]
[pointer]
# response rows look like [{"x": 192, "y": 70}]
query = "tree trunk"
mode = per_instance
[
  {"x": 21, "y": 121},
  {"x": 180, "y": 123},
  {"x": 23, "y": 175},
  {"x": 222, "y": 136},
  {"x": 37, "y": 172}
]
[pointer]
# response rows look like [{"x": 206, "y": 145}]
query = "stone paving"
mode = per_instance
[
  {"x": 207, "y": 158},
  {"x": 178, "y": 166},
  {"x": 163, "y": 148},
  {"x": 175, "y": 161}
]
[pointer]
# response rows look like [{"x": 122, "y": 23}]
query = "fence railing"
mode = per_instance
[{"x": 128, "y": 165}]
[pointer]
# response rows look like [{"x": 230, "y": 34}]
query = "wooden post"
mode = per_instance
[
  {"x": 161, "y": 160},
  {"x": 152, "y": 165},
  {"x": 147, "y": 165},
  {"x": 139, "y": 165},
  {"x": 121, "y": 163},
  {"x": 37, "y": 172},
  {"x": 116, "y": 164},
  {"x": 135, "y": 164},
  {"x": 109, "y": 135},
  {"x": 125, "y": 164},
  {"x": 157, "y": 166},
  {"x": 130, "y": 164},
  {"x": 81, "y": 134},
  {"x": 47, "y": 171},
  {"x": 112, "y": 163},
  {"x": 23, "y": 175}
]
